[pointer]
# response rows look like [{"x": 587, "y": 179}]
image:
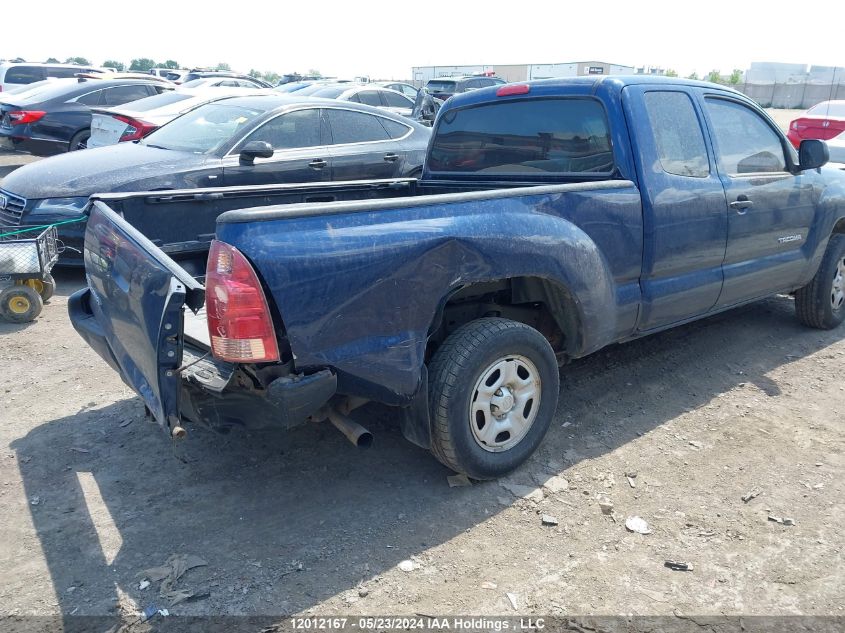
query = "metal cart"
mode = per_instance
[{"x": 25, "y": 279}]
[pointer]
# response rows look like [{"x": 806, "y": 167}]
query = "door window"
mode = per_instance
[
  {"x": 745, "y": 143},
  {"x": 677, "y": 134},
  {"x": 300, "y": 128},
  {"x": 124, "y": 94},
  {"x": 355, "y": 127},
  {"x": 395, "y": 129},
  {"x": 370, "y": 97},
  {"x": 394, "y": 100},
  {"x": 90, "y": 99}
]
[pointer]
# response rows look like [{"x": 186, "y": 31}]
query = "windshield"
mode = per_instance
[
  {"x": 329, "y": 93},
  {"x": 829, "y": 109},
  {"x": 204, "y": 130},
  {"x": 436, "y": 85},
  {"x": 157, "y": 101}
]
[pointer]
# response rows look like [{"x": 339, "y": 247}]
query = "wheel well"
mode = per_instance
[
  {"x": 541, "y": 303},
  {"x": 839, "y": 227}
]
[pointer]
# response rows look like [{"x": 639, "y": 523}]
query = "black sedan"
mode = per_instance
[
  {"x": 237, "y": 141},
  {"x": 56, "y": 117}
]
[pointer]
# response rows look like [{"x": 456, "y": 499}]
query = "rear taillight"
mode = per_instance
[
  {"x": 239, "y": 321},
  {"x": 136, "y": 129},
  {"x": 818, "y": 128},
  {"x": 21, "y": 117}
]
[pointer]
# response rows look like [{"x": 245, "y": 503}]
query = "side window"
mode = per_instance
[
  {"x": 228, "y": 83},
  {"x": 300, "y": 128},
  {"x": 64, "y": 73},
  {"x": 394, "y": 129},
  {"x": 370, "y": 97},
  {"x": 354, "y": 99},
  {"x": 91, "y": 99},
  {"x": 409, "y": 92},
  {"x": 393, "y": 100},
  {"x": 124, "y": 94},
  {"x": 677, "y": 134},
  {"x": 745, "y": 144},
  {"x": 24, "y": 74},
  {"x": 355, "y": 127}
]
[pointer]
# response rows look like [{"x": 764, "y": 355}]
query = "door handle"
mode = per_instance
[
  {"x": 317, "y": 163},
  {"x": 741, "y": 203},
  {"x": 390, "y": 158}
]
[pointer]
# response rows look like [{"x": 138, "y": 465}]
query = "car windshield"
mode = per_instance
[
  {"x": 157, "y": 101},
  {"x": 829, "y": 109},
  {"x": 440, "y": 86},
  {"x": 196, "y": 83},
  {"x": 328, "y": 93},
  {"x": 204, "y": 130}
]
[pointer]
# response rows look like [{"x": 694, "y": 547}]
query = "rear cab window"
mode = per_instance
[{"x": 538, "y": 138}]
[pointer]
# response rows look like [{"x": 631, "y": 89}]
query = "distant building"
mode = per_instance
[{"x": 521, "y": 72}]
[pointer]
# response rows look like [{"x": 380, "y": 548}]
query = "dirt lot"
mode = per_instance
[{"x": 697, "y": 417}]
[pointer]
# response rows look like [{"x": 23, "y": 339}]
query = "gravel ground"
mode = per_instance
[{"x": 675, "y": 428}]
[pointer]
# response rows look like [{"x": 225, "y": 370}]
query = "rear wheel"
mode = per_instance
[
  {"x": 493, "y": 392},
  {"x": 20, "y": 304},
  {"x": 821, "y": 303},
  {"x": 46, "y": 286},
  {"x": 79, "y": 141}
]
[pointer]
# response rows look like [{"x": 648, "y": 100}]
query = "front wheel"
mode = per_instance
[
  {"x": 20, "y": 304},
  {"x": 821, "y": 303},
  {"x": 493, "y": 392}
]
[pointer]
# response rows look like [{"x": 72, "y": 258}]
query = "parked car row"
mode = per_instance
[{"x": 257, "y": 139}]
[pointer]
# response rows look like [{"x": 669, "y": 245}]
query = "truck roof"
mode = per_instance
[{"x": 584, "y": 85}]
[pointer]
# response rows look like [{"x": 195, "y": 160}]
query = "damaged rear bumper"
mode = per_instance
[{"x": 218, "y": 394}]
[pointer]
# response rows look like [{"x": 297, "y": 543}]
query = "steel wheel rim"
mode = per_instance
[
  {"x": 837, "y": 292},
  {"x": 19, "y": 305},
  {"x": 504, "y": 403}
]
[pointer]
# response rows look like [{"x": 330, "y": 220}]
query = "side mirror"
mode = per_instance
[
  {"x": 255, "y": 149},
  {"x": 812, "y": 154}
]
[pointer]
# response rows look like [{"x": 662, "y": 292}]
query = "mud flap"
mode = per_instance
[{"x": 414, "y": 420}]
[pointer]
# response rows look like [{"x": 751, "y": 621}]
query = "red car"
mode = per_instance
[{"x": 824, "y": 121}]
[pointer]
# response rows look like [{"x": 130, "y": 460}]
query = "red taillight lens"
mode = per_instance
[
  {"x": 137, "y": 129},
  {"x": 513, "y": 89},
  {"x": 239, "y": 321},
  {"x": 818, "y": 128},
  {"x": 21, "y": 117}
]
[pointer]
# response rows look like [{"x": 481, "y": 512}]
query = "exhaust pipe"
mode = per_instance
[{"x": 356, "y": 433}]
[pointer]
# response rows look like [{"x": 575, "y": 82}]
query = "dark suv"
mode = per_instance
[{"x": 444, "y": 87}]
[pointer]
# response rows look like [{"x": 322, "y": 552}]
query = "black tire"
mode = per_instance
[
  {"x": 79, "y": 141},
  {"x": 454, "y": 372},
  {"x": 20, "y": 304},
  {"x": 814, "y": 302}
]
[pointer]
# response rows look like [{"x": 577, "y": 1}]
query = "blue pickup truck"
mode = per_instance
[{"x": 552, "y": 218}]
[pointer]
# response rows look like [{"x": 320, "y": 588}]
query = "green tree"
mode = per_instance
[
  {"x": 736, "y": 77},
  {"x": 141, "y": 65},
  {"x": 692, "y": 75},
  {"x": 671, "y": 73},
  {"x": 118, "y": 66},
  {"x": 714, "y": 76},
  {"x": 52, "y": 60},
  {"x": 254, "y": 73},
  {"x": 77, "y": 60},
  {"x": 171, "y": 63},
  {"x": 270, "y": 76},
  {"x": 224, "y": 66},
  {"x": 313, "y": 72}
]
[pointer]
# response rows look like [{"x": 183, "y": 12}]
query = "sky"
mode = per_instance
[{"x": 383, "y": 40}]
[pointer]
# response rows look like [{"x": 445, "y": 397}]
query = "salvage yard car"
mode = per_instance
[
  {"x": 56, "y": 118},
  {"x": 552, "y": 218},
  {"x": 135, "y": 120},
  {"x": 251, "y": 140}
]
